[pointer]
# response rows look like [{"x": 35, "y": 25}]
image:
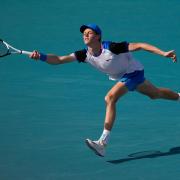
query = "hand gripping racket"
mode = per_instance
[{"x": 6, "y": 49}]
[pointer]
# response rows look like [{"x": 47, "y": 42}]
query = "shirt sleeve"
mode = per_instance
[
  {"x": 120, "y": 47},
  {"x": 81, "y": 55}
]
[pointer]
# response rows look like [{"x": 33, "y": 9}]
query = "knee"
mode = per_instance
[{"x": 110, "y": 98}]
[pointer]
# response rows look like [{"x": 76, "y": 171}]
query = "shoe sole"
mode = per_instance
[{"x": 95, "y": 151}]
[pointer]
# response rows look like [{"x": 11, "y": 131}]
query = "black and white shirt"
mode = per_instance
[{"x": 114, "y": 60}]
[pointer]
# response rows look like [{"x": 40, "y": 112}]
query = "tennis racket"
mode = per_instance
[{"x": 6, "y": 49}]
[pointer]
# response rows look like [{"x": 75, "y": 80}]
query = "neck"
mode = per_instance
[{"x": 95, "y": 49}]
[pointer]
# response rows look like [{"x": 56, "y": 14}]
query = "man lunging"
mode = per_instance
[{"x": 116, "y": 60}]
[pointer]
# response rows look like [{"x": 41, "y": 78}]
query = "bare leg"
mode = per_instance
[
  {"x": 111, "y": 98},
  {"x": 153, "y": 92},
  {"x": 117, "y": 91}
]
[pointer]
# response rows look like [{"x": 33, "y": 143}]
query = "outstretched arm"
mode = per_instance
[
  {"x": 147, "y": 47},
  {"x": 53, "y": 59}
]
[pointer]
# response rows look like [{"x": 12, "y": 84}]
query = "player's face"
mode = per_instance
[{"x": 89, "y": 36}]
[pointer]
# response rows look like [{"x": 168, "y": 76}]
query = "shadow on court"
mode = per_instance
[{"x": 146, "y": 154}]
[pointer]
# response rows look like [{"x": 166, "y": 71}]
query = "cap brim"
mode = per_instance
[{"x": 83, "y": 28}]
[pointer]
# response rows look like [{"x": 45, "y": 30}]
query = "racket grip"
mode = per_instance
[{"x": 26, "y": 52}]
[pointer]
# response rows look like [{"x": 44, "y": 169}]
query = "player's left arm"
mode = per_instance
[{"x": 147, "y": 47}]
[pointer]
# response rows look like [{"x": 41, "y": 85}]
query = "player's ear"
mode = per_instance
[{"x": 98, "y": 37}]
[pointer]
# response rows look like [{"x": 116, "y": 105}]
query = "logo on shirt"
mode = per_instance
[{"x": 108, "y": 59}]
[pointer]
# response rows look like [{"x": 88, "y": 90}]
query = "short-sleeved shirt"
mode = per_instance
[{"x": 114, "y": 60}]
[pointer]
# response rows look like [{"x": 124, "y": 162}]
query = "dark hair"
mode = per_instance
[{"x": 100, "y": 38}]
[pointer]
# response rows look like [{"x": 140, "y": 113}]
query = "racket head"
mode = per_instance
[
  {"x": 7, "y": 49},
  {"x": 4, "y": 49}
]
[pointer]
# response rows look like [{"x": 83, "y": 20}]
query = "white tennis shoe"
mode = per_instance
[{"x": 97, "y": 146}]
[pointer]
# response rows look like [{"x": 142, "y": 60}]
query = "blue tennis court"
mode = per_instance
[{"x": 47, "y": 112}]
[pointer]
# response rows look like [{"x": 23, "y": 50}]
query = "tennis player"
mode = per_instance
[{"x": 116, "y": 60}]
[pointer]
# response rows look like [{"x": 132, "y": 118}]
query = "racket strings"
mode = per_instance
[{"x": 3, "y": 49}]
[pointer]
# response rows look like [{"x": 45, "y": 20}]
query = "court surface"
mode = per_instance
[{"x": 47, "y": 112}]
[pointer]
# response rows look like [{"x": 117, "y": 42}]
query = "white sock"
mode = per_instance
[
  {"x": 179, "y": 97},
  {"x": 105, "y": 136}
]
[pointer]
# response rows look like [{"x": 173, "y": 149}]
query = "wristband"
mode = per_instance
[{"x": 43, "y": 57}]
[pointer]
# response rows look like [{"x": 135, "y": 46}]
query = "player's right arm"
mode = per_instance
[{"x": 53, "y": 59}]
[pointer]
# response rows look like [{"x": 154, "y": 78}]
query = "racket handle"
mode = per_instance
[{"x": 26, "y": 52}]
